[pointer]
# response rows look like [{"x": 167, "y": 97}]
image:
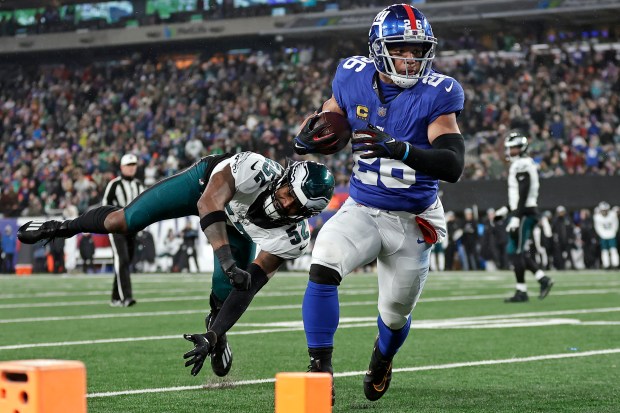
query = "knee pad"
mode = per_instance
[
  {"x": 393, "y": 319},
  {"x": 321, "y": 274}
]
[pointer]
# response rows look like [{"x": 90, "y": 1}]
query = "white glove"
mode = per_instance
[
  {"x": 501, "y": 212},
  {"x": 513, "y": 224}
]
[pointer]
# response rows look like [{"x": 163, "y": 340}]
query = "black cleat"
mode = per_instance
[
  {"x": 379, "y": 375},
  {"x": 221, "y": 357},
  {"x": 545, "y": 286},
  {"x": 323, "y": 366},
  {"x": 519, "y": 297},
  {"x": 35, "y": 231},
  {"x": 129, "y": 302}
]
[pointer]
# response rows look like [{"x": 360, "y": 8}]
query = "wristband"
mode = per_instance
[
  {"x": 406, "y": 152},
  {"x": 211, "y": 218}
]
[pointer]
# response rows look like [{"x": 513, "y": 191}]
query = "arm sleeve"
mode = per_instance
[
  {"x": 523, "y": 178},
  {"x": 445, "y": 160},
  {"x": 238, "y": 301}
]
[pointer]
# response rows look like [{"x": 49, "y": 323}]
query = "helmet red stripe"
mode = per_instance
[{"x": 409, "y": 10}]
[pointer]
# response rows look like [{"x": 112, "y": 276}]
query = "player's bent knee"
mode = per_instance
[
  {"x": 394, "y": 321},
  {"x": 321, "y": 274},
  {"x": 328, "y": 252},
  {"x": 115, "y": 222}
]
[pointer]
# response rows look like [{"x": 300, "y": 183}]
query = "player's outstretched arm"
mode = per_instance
[
  {"x": 237, "y": 302},
  {"x": 219, "y": 192}
]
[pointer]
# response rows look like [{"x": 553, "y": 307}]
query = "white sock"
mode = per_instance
[
  {"x": 605, "y": 258},
  {"x": 539, "y": 274},
  {"x": 522, "y": 287},
  {"x": 613, "y": 252}
]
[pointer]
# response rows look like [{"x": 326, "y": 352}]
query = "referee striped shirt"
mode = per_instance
[{"x": 121, "y": 191}]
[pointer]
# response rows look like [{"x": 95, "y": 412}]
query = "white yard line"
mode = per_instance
[
  {"x": 343, "y": 292},
  {"x": 361, "y": 373},
  {"x": 270, "y": 308},
  {"x": 104, "y": 293},
  {"x": 204, "y": 297},
  {"x": 495, "y": 321}
]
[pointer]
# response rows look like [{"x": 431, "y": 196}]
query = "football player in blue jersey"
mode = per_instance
[{"x": 406, "y": 138}]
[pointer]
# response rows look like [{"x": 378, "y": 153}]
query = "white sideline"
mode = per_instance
[{"x": 360, "y": 373}]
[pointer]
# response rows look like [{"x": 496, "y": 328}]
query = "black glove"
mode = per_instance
[
  {"x": 308, "y": 140},
  {"x": 203, "y": 347},
  {"x": 239, "y": 278},
  {"x": 377, "y": 144}
]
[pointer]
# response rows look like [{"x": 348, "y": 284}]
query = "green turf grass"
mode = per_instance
[{"x": 451, "y": 324}]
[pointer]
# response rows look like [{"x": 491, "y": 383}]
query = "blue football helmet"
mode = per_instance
[{"x": 398, "y": 24}]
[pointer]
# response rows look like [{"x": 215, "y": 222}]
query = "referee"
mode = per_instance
[{"x": 120, "y": 192}]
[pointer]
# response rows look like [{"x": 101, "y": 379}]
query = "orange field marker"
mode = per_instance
[
  {"x": 42, "y": 386},
  {"x": 303, "y": 393}
]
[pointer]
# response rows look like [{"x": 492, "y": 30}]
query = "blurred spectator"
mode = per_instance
[
  {"x": 87, "y": 252},
  {"x": 168, "y": 250},
  {"x": 39, "y": 256},
  {"x": 57, "y": 252},
  {"x": 453, "y": 237},
  {"x": 9, "y": 243},
  {"x": 469, "y": 241},
  {"x": 563, "y": 239},
  {"x": 493, "y": 242},
  {"x": 188, "y": 248},
  {"x": 589, "y": 239},
  {"x": 146, "y": 253}
]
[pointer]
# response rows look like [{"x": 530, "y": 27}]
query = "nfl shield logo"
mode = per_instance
[{"x": 382, "y": 112}]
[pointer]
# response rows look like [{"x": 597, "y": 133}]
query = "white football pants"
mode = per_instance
[{"x": 358, "y": 234}]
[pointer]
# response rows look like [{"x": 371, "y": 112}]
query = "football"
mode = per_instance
[{"x": 339, "y": 126}]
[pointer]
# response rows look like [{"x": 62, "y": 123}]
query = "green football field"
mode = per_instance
[{"x": 468, "y": 351}]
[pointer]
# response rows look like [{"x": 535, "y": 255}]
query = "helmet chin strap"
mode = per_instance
[{"x": 405, "y": 83}]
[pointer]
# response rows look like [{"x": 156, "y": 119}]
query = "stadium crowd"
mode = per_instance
[
  {"x": 66, "y": 18},
  {"x": 64, "y": 128}
]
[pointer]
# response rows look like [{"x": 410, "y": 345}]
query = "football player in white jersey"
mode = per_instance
[
  {"x": 243, "y": 200},
  {"x": 523, "y": 187},
  {"x": 606, "y": 227}
]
